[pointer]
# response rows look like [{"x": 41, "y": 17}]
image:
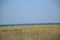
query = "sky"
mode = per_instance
[{"x": 29, "y": 11}]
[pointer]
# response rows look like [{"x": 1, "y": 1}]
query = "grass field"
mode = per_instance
[{"x": 30, "y": 32}]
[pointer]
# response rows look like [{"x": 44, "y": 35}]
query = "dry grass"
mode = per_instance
[{"x": 36, "y": 32}]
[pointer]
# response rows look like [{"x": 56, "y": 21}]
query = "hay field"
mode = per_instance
[{"x": 30, "y": 32}]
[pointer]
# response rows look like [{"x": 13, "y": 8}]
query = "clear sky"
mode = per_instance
[{"x": 29, "y": 11}]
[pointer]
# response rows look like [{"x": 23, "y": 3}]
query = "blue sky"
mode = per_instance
[{"x": 29, "y": 11}]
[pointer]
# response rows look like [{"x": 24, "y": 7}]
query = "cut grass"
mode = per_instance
[{"x": 30, "y": 32}]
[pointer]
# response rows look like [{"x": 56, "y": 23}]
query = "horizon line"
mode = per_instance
[{"x": 31, "y": 24}]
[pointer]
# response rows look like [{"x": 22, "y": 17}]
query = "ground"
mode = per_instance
[{"x": 30, "y": 32}]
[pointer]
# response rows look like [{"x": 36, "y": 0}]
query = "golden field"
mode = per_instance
[{"x": 30, "y": 32}]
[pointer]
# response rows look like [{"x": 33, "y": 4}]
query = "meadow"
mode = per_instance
[{"x": 30, "y": 32}]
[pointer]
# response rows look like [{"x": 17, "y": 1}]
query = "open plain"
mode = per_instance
[{"x": 30, "y": 32}]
